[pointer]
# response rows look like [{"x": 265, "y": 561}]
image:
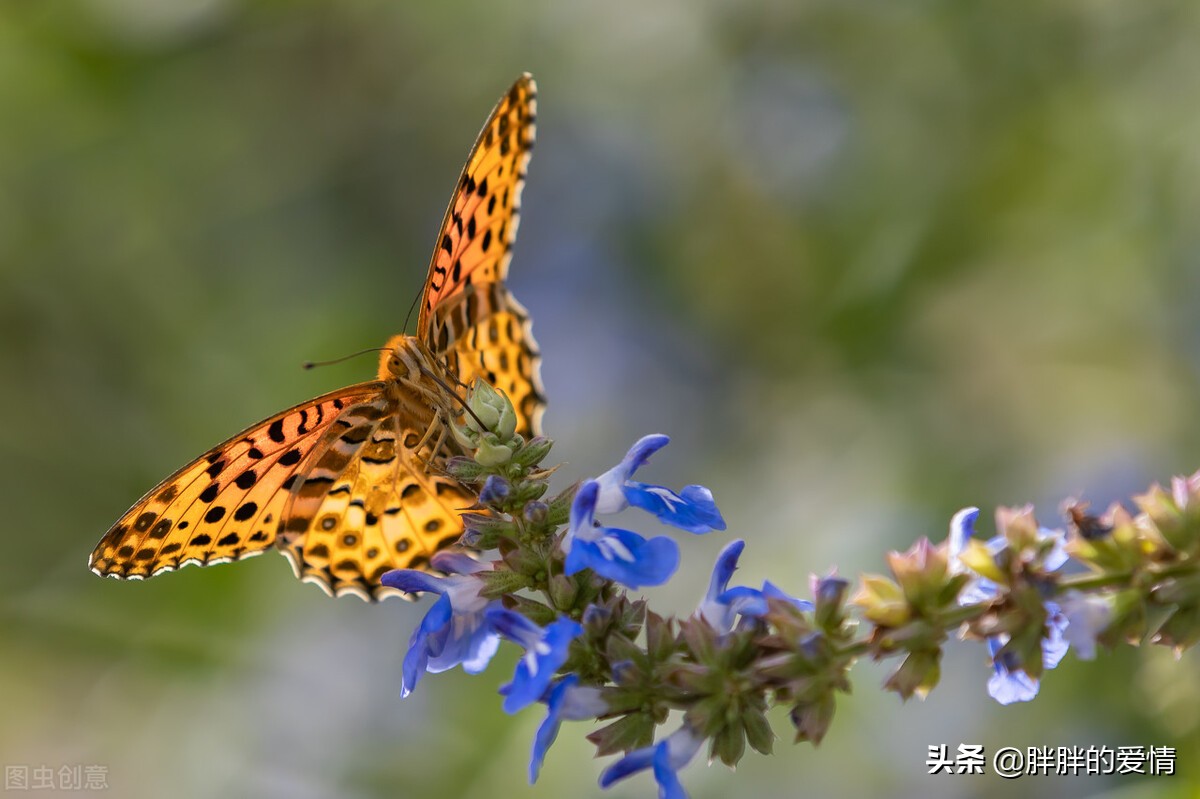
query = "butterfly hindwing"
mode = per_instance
[
  {"x": 226, "y": 504},
  {"x": 368, "y": 505}
]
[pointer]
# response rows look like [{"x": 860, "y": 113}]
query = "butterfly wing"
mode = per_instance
[
  {"x": 483, "y": 332},
  {"x": 369, "y": 505},
  {"x": 468, "y": 317},
  {"x": 227, "y": 504},
  {"x": 480, "y": 226}
]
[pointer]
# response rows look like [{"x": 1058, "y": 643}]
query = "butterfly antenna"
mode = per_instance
[
  {"x": 408, "y": 315},
  {"x": 314, "y": 364}
]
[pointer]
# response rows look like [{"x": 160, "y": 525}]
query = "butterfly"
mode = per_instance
[{"x": 348, "y": 485}]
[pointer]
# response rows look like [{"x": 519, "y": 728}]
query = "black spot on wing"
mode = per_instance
[{"x": 290, "y": 458}]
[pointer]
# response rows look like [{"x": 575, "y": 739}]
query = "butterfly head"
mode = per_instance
[{"x": 403, "y": 358}]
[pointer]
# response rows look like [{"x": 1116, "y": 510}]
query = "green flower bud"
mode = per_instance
[
  {"x": 493, "y": 409},
  {"x": 882, "y": 601},
  {"x": 489, "y": 452}
]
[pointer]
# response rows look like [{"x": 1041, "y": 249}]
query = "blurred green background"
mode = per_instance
[{"x": 866, "y": 262}]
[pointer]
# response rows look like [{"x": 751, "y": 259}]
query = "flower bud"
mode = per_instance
[
  {"x": 882, "y": 601},
  {"x": 493, "y": 409},
  {"x": 829, "y": 593},
  {"x": 495, "y": 490},
  {"x": 536, "y": 512},
  {"x": 490, "y": 452}
]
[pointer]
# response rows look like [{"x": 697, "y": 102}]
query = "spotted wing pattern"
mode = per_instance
[
  {"x": 484, "y": 332},
  {"x": 480, "y": 226},
  {"x": 225, "y": 505},
  {"x": 368, "y": 504},
  {"x": 349, "y": 485}
]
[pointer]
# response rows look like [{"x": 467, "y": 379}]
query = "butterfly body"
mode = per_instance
[{"x": 349, "y": 485}]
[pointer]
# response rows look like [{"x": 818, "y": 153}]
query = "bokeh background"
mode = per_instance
[{"x": 866, "y": 263}]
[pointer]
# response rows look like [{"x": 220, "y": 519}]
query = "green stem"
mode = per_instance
[{"x": 951, "y": 619}]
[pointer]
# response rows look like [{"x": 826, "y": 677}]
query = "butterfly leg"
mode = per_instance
[
  {"x": 435, "y": 425},
  {"x": 443, "y": 430}
]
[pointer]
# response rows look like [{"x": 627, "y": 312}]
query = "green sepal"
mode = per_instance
[
  {"x": 527, "y": 491},
  {"x": 560, "y": 506},
  {"x": 563, "y": 591},
  {"x": 700, "y": 638},
  {"x": 621, "y": 649},
  {"x": 758, "y": 730},
  {"x": 532, "y": 452},
  {"x": 465, "y": 469},
  {"x": 627, "y": 733},
  {"x": 500, "y": 582},
  {"x": 729, "y": 744},
  {"x": 533, "y": 610},
  {"x": 660, "y": 637},
  {"x": 490, "y": 453},
  {"x": 917, "y": 675},
  {"x": 485, "y": 530},
  {"x": 812, "y": 719}
]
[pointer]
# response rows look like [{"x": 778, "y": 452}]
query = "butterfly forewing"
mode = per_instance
[
  {"x": 480, "y": 226},
  {"x": 227, "y": 504}
]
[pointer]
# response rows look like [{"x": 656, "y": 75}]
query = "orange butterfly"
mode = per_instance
[{"x": 347, "y": 485}]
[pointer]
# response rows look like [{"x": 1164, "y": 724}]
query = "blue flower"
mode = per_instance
[
  {"x": 721, "y": 605},
  {"x": 692, "y": 509},
  {"x": 454, "y": 630},
  {"x": 666, "y": 757},
  {"x": 567, "y": 701},
  {"x": 1087, "y": 616},
  {"x": 1008, "y": 683},
  {"x": 752, "y": 602},
  {"x": 545, "y": 652},
  {"x": 721, "y": 615},
  {"x": 620, "y": 555}
]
